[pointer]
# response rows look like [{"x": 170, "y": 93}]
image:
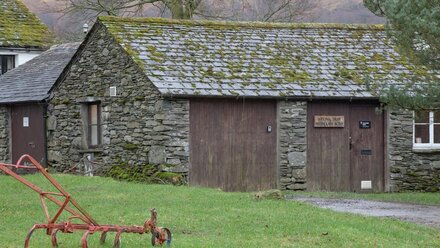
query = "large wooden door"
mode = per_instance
[
  {"x": 233, "y": 144},
  {"x": 328, "y": 160},
  {"x": 346, "y": 157},
  {"x": 27, "y": 128}
]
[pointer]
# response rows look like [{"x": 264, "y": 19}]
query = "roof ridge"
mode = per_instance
[{"x": 241, "y": 24}]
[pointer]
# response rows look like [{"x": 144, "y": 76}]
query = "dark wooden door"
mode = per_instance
[
  {"x": 367, "y": 148},
  {"x": 340, "y": 158},
  {"x": 27, "y": 128},
  {"x": 230, "y": 145}
]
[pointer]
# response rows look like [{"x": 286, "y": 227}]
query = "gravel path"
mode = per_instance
[{"x": 420, "y": 214}]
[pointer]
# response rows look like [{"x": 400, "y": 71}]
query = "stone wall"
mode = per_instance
[
  {"x": 138, "y": 125},
  {"x": 292, "y": 144},
  {"x": 4, "y": 134},
  {"x": 410, "y": 170}
]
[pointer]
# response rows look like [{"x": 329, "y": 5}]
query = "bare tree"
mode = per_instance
[
  {"x": 246, "y": 10},
  {"x": 179, "y": 9},
  {"x": 278, "y": 10}
]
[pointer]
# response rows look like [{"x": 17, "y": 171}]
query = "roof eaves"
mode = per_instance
[{"x": 298, "y": 98}]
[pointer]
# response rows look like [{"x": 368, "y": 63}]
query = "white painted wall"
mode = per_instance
[{"x": 21, "y": 56}]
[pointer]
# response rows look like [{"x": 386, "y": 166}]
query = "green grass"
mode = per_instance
[
  {"x": 203, "y": 218},
  {"x": 404, "y": 197}
]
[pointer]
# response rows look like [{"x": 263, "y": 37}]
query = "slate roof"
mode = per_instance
[
  {"x": 21, "y": 28},
  {"x": 33, "y": 80},
  {"x": 205, "y": 58}
]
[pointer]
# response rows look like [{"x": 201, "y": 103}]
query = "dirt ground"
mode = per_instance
[{"x": 420, "y": 214}]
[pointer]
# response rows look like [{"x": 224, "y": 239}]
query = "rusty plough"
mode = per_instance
[{"x": 65, "y": 203}]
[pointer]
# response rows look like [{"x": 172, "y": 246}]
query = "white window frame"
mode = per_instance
[{"x": 431, "y": 144}]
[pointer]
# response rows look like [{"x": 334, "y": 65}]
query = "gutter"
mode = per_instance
[{"x": 45, "y": 105}]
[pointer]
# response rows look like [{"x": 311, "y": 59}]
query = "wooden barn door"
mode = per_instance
[
  {"x": 233, "y": 144},
  {"x": 328, "y": 158},
  {"x": 345, "y": 147},
  {"x": 27, "y": 128}
]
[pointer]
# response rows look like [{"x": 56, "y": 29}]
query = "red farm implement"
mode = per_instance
[{"x": 66, "y": 204}]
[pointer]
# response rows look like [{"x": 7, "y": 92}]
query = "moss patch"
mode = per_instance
[
  {"x": 130, "y": 146},
  {"x": 144, "y": 173},
  {"x": 21, "y": 28},
  {"x": 169, "y": 177}
]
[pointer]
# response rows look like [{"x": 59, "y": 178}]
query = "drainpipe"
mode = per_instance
[{"x": 45, "y": 105}]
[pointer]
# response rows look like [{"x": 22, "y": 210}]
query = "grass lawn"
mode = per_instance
[
  {"x": 202, "y": 218},
  {"x": 405, "y": 197}
]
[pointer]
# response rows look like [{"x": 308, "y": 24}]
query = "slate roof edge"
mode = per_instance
[
  {"x": 297, "y": 98},
  {"x": 40, "y": 101},
  {"x": 235, "y": 24}
]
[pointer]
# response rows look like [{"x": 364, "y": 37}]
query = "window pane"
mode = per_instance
[
  {"x": 10, "y": 62},
  {"x": 93, "y": 135},
  {"x": 7, "y": 62},
  {"x": 436, "y": 133},
  {"x": 436, "y": 116},
  {"x": 421, "y": 134},
  {"x": 93, "y": 114},
  {"x": 421, "y": 117}
]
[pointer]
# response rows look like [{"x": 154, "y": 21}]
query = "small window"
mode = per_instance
[
  {"x": 7, "y": 62},
  {"x": 426, "y": 129},
  {"x": 93, "y": 125}
]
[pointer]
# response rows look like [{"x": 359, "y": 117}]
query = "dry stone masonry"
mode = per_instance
[
  {"x": 292, "y": 144},
  {"x": 410, "y": 170},
  {"x": 4, "y": 134},
  {"x": 138, "y": 125}
]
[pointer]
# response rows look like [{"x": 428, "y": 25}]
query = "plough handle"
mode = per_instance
[{"x": 84, "y": 216}]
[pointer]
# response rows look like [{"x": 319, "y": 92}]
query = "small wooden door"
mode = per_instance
[
  {"x": 366, "y": 147},
  {"x": 233, "y": 144},
  {"x": 348, "y": 157},
  {"x": 27, "y": 128}
]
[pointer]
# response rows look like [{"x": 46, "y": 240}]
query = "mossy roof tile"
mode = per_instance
[
  {"x": 21, "y": 28},
  {"x": 207, "y": 58}
]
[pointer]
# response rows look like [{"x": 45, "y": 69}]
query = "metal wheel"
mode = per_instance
[{"x": 168, "y": 236}]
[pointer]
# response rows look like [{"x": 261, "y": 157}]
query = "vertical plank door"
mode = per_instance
[
  {"x": 230, "y": 146},
  {"x": 367, "y": 147},
  {"x": 328, "y": 159},
  {"x": 341, "y": 158},
  {"x": 27, "y": 128}
]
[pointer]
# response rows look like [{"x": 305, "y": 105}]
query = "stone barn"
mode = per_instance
[{"x": 244, "y": 106}]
